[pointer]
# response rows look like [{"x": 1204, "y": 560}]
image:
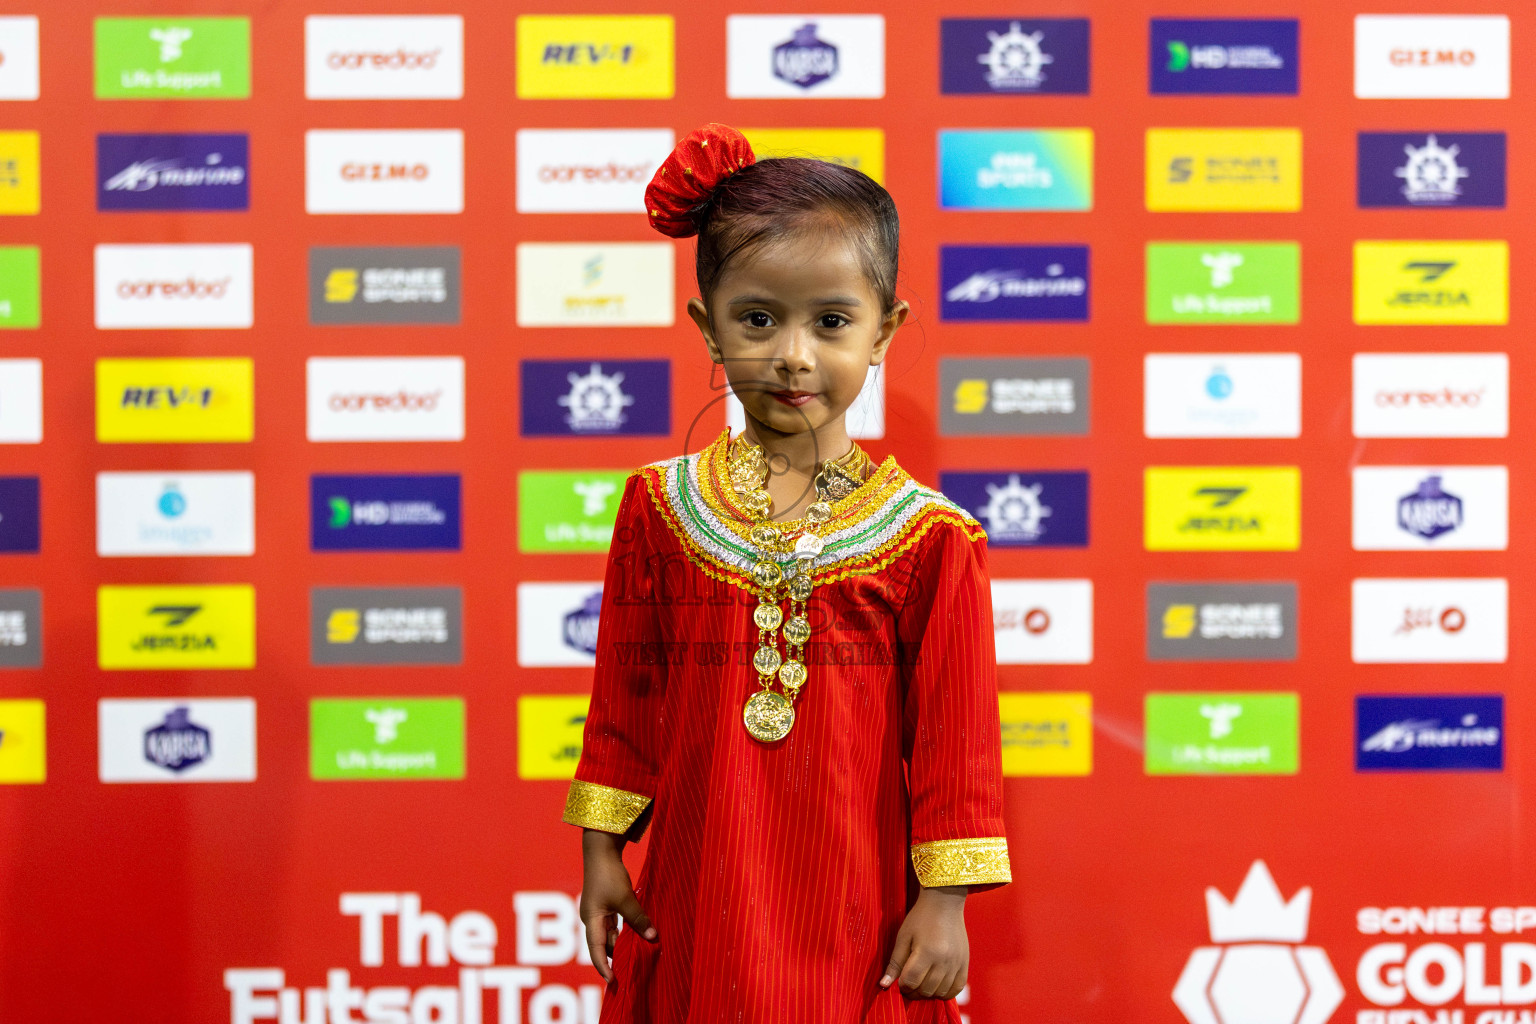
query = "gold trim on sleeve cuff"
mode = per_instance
[
  {"x": 589, "y": 805},
  {"x": 962, "y": 862}
]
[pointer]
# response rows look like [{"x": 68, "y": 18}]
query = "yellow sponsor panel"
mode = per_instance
[
  {"x": 1224, "y": 169},
  {"x": 1223, "y": 508},
  {"x": 1047, "y": 733},
  {"x": 860, "y": 148},
  {"x": 175, "y": 400},
  {"x": 20, "y": 173},
  {"x": 1432, "y": 282},
  {"x": 549, "y": 733},
  {"x": 23, "y": 746},
  {"x": 594, "y": 56},
  {"x": 206, "y": 626}
]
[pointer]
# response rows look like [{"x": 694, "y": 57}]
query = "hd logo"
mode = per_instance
[
  {"x": 1432, "y": 282},
  {"x": 1223, "y": 508},
  {"x": 153, "y": 627}
]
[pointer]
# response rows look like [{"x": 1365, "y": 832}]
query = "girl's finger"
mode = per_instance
[
  {"x": 898, "y": 959},
  {"x": 629, "y": 909},
  {"x": 915, "y": 974},
  {"x": 597, "y": 941},
  {"x": 932, "y": 982}
]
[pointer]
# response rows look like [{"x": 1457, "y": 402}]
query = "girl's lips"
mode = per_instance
[{"x": 795, "y": 398}]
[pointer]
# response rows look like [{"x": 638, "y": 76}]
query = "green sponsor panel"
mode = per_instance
[
  {"x": 1222, "y": 733},
  {"x": 20, "y": 286},
  {"x": 388, "y": 738},
  {"x": 173, "y": 58},
  {"x": 1223, "y": 283},
  {"x": 562, "y": 511}
]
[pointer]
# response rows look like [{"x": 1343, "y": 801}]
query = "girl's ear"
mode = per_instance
[
  {"x": 888, "y": 328},
  {"x": 700, "y": 315}
]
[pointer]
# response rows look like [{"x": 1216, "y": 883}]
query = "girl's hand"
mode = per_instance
[
  {"x": 607, "y": 895},
  {"x": 932, "y": 953}
]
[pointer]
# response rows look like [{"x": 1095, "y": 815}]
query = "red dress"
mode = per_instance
[{"x": 777, "y": 875}]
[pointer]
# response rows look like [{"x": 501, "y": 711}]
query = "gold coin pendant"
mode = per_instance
[
  {"x": 797, "y": 630},
  {"x": 800, "y": 587},
  {"x": 768, "y": 716},
  {"x": 768, "y": 616},
  {"x": 766, "y": 660}
]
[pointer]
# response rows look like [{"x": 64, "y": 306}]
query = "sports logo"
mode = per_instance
[
  {"x": 20, "y": 173},
  {"x": 1222, "y": 395},
  {"x": 21, "y": 401},
  {"x": 384, "y": 513},
  {"x": 180, "y": 58},
  {"x": 581, "y": 398},
  {"x": 1439, "y": 395},
  {"x": 1043, "y": 509},
  {"x": 1430, "y": 621},
  {"x": 1437, "y": 170},
  {"x": 1022, "y": 57},
  {"x": 863, "y": 149},
  {"x": 1223, "y": 283},
  {"x": 209, "y": 740},
  {"x": 1223, "y": 508},
  {"x": 172, "y": 172},
  {"x": 174, "y": 400},
  {"x": 1432, "y": 282},
  {"x": 1043, "y": 622},
  {"x": 593, "y": 57},
  {"x": 156, "y": 286},
  {"x": 175, "y": 627},
  {"x": 1014, "y": 282},
  {"x": 1222, "y": 733},
  {"x": 584, "y": 284},
  {"x": 386, "y": 626},
  {"x": 1046, "y": 733},
  {"x": 384, "y": 171},
  {"x": 1013, "y": 396},
  {"x": 567, "y": 511},
  {"x": 21, "y": 631},
  {"x": 1224, "y": 56},
  {"x": 384, "y": 285},
  {"x": 1049, "y": 169},
  {"x": 549, "y": 736},
  {"x": 406, "y": 738},
  {"x": 1424, "y": 57},
  {"x": 557, "y": 623},
  {"x": 1224, "y": 169},
  {"x": 1464, "y": 732},
  {"x": 182, "y": 513},
  {"x": 373, "y": 57},
  {"x": 1431, "y": 508},
  {"x": 20, "y": 291},
  {"x": 1221, "y": 622},
  {"x": 404, "y": 398},
  {"x": 23, "y": 741},
  {"x": 18, "y": 57},
  {"x": 790, "y": 57},
  {"x": 20, "y": 515},
  {"x": 602, "y": 170}
]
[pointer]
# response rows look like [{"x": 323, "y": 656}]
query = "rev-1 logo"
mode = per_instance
[
  {"x": 1450, "y": 620},
  {"x": 1430, "y": 271},
  {"x": 166, "y": 398},
  {"x": 587, "y": 53}
]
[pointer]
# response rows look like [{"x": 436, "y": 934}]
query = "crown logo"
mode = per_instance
[{"x": 1258, "y": 914}]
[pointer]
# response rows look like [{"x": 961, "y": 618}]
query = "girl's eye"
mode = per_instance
[
  {"x": 758, "y": 319},
  {"x": 833, "y": 320}
]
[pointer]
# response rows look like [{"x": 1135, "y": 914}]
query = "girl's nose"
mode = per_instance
[{"x": 798, "y": 352}]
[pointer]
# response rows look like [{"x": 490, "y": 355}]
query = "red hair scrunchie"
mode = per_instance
[{"x": 702, "y": 160}]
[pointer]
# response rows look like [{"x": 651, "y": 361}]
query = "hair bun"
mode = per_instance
[{"x": 702, "y": 160}]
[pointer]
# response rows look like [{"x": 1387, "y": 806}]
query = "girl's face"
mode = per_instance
[{"x": 797, "y": 326}]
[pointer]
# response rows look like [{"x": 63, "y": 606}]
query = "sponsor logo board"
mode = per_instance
[
  {"x": 1225, "y": 56},
  {"x": 584, "y": 284},
  {"x": 18, "y": 57},
  {"x": 1432, "y": 282},
  {"x": 1431, "y": 508},
  {"x": 581, "y": 398},
  {"x": 1461, "y": 732},
  {"x": 1222, "y": 394},
  {"x": 568, "y": 511},
  {"x": 1024, "y": 509},
  {"x": 1424, "y": 620},
  {"x": 21, "y": 401},
  {"x": 1221, "y": 621},
  {"x": 23, "y": 741},
  {"x": 384, "y": 57},
  {"x": 176, "y": 627},
  {"x": 173, "y": 58},
  {"x": 549, "y": 735},
  {"x": 21, "y": 630},
  {"x": 1463, "y": 394},
  {"x": 175, "y": 513},
  {"x": 1428, "y": 57},
  {"x": 163, "y": 740},
  {"x": 173, "y": 286},
  {"x": 863, "y": 149},
  {"x": 771, "y": 56},
  {"x": 1222, "y": 733},
  {"x": 20, "y": 287},
  {"x": 1013, "y": 396},
  {"x": 20, "y": 515},
  {"x": 404, "y": 512},
  {"x": 384, "y": 171},
  {"x": 1045, "y": 169},
  {"x": 384, "y": 285},
  {"x": 388, "y": 738},
  {"x": 1430, "y": 171},
  {"x": 1046, "y": 734},
  {"x": 603, "y": 170},
  {"x": 1019, "y": 57},
  {"x": 594, "y": 57},
  {"x": 1014, "y": 282},
  {"x": 175, "y": 400},
  {"x": 1223, "y": 508},
  {"x": 386, "y": 626},
  {"x": 20, "y": 173},
  {"x": 557, "y": 624},
  {"x": 1223, "y": 283},
  {"x": 1224, "y": 169},
  {"x": 1043, "y": 622},
  {"x": 402, "y": 398},
  {"x": 173, "y": 172}
]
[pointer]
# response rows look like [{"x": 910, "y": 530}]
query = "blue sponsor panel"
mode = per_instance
[
  {"x": 413, "y": 512},
  {"x": 1225, "y": 56},
  {"x": 1024, "y": 509},
  {"x": 1014, "y": 282},
  {"x": 172, "y": 172},
  {"x": 1430, "y": 169},
  {"x": 590, "y": 397},
  {"x": 1424, "y": 733},
  {"x": 1014, "y": 57},
  {"x": 20, "y": 514},
  {"x": 1049, "y": 169}
]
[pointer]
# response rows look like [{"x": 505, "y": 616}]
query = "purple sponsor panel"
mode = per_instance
[
  {"x": 595, "y": 397},
  {"x": 172, "y": 172}
]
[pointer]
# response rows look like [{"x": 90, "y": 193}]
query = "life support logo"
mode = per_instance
[
  {"x": 1258, "y": 969},
  {"x": 1222, "y": 733},
  {"x": 1043, "y": 622},
  {"x": 403, "y": 738},
  {"x": 599, "y": 56},
  {"x": 173, "y": 58},
  {"x": 1463, "y": 394},
  {"x": 20, "y": 288},
  {"x": 1223, "y": 282},
  {"x": 1223, "y": 508},
  {"x": 863, "y": 149},
  {"x": 1046, "y": 733},
  {"x": 18, "y": 58},
  {"x": 176, "y": 627},
  {"x": 1432, "y": 56},
  {"x": 384, "y": 171},
  {"x": 174, "y": 286},
  {"x": 372, "y": 57},
  {"x": 175, "y": 400},
  {"x": 600, "y": 170},
  {"x": 562, "y": 511},
  {"x": 1223, "y": 169},
  {"x": 1431, "y": 282}
]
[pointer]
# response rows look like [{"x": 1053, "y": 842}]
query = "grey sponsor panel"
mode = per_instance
[
  {"x": 1013, "y": 396},
  {"x": 1221, "y": 621},
  {"x": 384, "y": 285},
  {"x": 386, "y": 626},
  {"x": 21, "y": 628}
]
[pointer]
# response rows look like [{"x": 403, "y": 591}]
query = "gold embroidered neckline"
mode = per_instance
[{"x": 715, "y": 485}]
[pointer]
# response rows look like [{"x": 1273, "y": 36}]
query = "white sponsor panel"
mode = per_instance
[
  {"x": 1431, "y": 508},
  {"x": 865, "y": 419},
  {"x": 1043, "y": 622},
  {"x": 1432, "y": 57},
  {"x": 18, "y": 57},
  {"x": 175, "y": 513},
  {"x": 21, "y": 401},
  {"x": 412, "y": 398},
  {"x": 599, "y": 170},
  {"x": 595, "y": 284},
  {"x": 805, "y": 56},
  {"x": 556, "y": 623},
  {"x": 151, "y": 740},
  {"x": 156, "y": 286},
  {"x": 1222, "y": 395},
  {"x": 383, "y": 57},
  {"x": 369, "y": 171},
  {"x": 1430, "y": 621},
  {"x": 1465, "y": 394}
]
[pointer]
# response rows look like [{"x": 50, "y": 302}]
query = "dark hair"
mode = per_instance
[{"x": 772, "y": 198}]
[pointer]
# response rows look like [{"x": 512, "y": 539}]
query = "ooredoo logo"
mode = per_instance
[
  {"x": 18, "y": 58},
  {"x": 384, "y": 171},
  {"x": 1463, "y": 394},
  {"x": 371, "y": 57},
  {"x": 190, "y": 288},
  {"x": 587, "y": 171},
  {"x": 154, "y": 286},
  {"x": 401, "y": 399}
]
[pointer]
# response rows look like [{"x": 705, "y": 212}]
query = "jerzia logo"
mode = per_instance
[
  {"x": 211, "y": 626},
  {"x": 1431, "y": 282},
  {"x": 1019, "y": 57},
  {"x": 1217, "y": 508}
]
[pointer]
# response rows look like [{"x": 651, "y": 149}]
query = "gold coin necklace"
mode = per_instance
[{"x": 784, "y": 560}]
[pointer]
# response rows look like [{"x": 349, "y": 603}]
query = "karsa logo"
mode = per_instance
[
  {"x": 1043, "y": 622},
  {"x": 384, "y": 171},
  {"x": 21, "y": 628},
  {"x": 1431, "y": 508},
  {"x": 1437, "y": 170},
  {"x": 182, "y": 58},
  {"x": 1013, "y": 396},
  {"x": 1222, "y": 733},
  {"x": 1257, "y": 969},
  {"x": 172, "y": 172},
  {"x": 588, "y": 170},
  {"x": 600, "y": 56},
  {"x": 1042, "y": 509},
  {"x": 1432, "y": 56},
  {"x": 1222, "y": 395},
  {"x": 1046, "y": 734},
  {"x": 1223, "y": 283},
  {"x": 568, "y": 511},
  {"x": 408, "y": 738},
  {"x": 384, "y": 285},
  {"x": 1438, "y": 395},
  {"x": 1014, "y": 282},
  {"x": 1463, "y": 732},
  {"x": 174, "y": 400},
  {"x": 557, "y": 623},
  {"x": 1221, "y": 621},
  {"x": 384, "y": 513},
  {"x": 23, "y": 740},
  {"x": 580, "y": 398},
  {"x": 1223, "y": 508},
  {"x": 409, "y": 398},
  {"x": 373, "y": 57},
  {"x": 20, "y": 290},
  {"x": 20, "y": 173},
  {"x": 206, "y": 740},
  {"x": 1050, "y": 169},
  {"x": 184, "y": 513},
  {"x": 173, "y": 286},
  {"x": 1430, "y": 621},
  {"x": 20, "y": 515},
  {"x": 176, "y": 627},
  {"x": 579, "y": 284},
  {"x": 1224, "y": 56},
  {"x": 386, "y": 626},
  {"x": 1223, "y": 169},
  {"x": 790, "y": 57},
  {"x": 1022, "y": 57},
  {"x": 863, "y": 149},
  {"x": 1432, "y": 282},
  {"x": 549, "y": 736},
  {"x": 18, "y": 57}
]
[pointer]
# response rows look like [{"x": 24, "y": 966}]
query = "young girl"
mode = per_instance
[{"x": 796, "y": 682}]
